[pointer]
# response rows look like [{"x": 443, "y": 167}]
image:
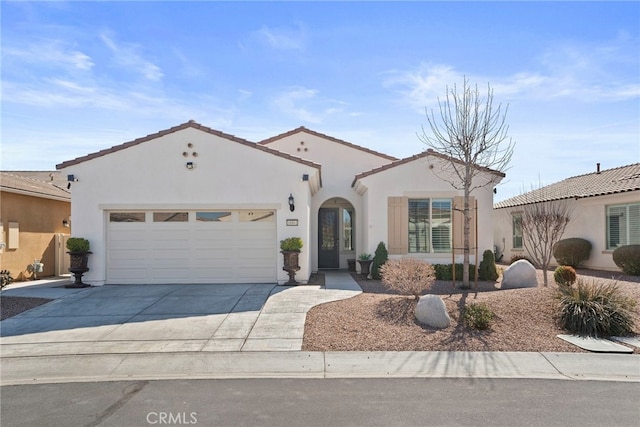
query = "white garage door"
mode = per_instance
[{"x": 235, "y": 246}]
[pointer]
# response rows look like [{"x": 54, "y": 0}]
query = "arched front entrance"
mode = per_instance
[{"x": 336, "y": 233}]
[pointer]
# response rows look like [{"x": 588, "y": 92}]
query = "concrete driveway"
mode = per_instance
[{"x": 168, "y": 318}]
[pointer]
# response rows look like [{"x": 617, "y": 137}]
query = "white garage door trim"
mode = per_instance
[{"x": 188, "y": 246}]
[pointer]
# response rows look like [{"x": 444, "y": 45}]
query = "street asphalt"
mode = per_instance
[{"x": 148, "y": 332}]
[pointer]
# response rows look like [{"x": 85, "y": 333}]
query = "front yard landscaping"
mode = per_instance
[{"x": 378, "y": 320}]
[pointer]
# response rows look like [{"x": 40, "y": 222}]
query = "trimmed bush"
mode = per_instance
[
  {"x": 478, "y": 315},
  {"x": 293, "y": 244},
  {"x": 595, "y": 310},
  {"x": 77, "y": 244},
  {"x": 628, "y": 259},
  {"x": 380, "y": 257},
  {"x": 572, "y": 251},
  {"x": 408, "y": 276},
  {"x": 443, "y": 271},
  {"x": 487, "y": 269},
  {"x": 564, "y": 275}
]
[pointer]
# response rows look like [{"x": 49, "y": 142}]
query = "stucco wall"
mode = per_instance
[
  {"x": 416, "y": 180},
  {"x": 588, "y": 221},
  {"x": 39, "y": 220},
  {"x": 153, "y": 175},
  {"x": 340, "y": 164}
]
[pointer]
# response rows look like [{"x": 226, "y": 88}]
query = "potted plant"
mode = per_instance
[
  {"x": 364, "y": 259},
  {"x": 78, "y": 250},
  {"x": 290, "y": 249}
]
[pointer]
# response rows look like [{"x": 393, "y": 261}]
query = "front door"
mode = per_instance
[{"x": 328, "y": 247}]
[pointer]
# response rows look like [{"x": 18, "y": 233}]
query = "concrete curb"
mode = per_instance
[{"x": 218, "y": 365}]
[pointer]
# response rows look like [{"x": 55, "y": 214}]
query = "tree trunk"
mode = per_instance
[{"x": 466, "y": 221}]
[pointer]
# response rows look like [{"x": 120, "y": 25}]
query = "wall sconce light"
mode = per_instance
[
  {"x": 65, "y": 223},
  {"x": 292, "y": 207},
  {"x": 190, "y": 165},
  {"x": 305, "y": 177},
  {"x": 70, "y": 179}
]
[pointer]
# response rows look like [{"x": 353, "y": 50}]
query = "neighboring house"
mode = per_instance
[
  {"x": 605, "y": 207},
  {"x": 35, "y": 210},
  {"x": 194, "y": 205}
]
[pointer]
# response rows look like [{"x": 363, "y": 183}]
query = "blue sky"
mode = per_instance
[{"x": 78, "y": 77}]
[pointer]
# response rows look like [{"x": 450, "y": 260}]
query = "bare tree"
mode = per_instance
[
  {"x": 472, "y": 133},
  {"x": 543, "y": 224}
]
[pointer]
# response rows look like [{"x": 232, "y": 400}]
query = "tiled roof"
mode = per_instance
[
  {"x": 610, "y": 181},
  {"x": 35, "y": 183},
  {"x": 426, "y": 153},
  {"x": 321, "y": 135},
  {"x": 189, "y": 124}
]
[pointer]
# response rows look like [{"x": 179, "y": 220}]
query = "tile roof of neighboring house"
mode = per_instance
[
  {"x": 609, "y": 181},
  {"x": 35, "y": 183},
  {"x": 189, "y": 124},
  {"x": 429, "y": 152},
  {"x": 321, "y": 135}
]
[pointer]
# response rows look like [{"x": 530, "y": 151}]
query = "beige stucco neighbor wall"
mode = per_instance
[
  {"x": 588, "y": 221},
  {"x": 39, "y": 219}
]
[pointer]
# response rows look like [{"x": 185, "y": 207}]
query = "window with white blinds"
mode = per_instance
[
  {"x": 429, "y": 225},
  {"x": 623, "y": 225}
]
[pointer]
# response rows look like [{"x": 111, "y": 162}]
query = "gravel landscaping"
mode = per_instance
[
  {"x": 11, "y": 306},
  {"x": 378, "y": 320}
]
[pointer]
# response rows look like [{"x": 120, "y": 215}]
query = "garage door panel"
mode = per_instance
[{"x": 230, "y": 251}]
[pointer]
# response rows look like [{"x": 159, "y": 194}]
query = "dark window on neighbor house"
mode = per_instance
[
  {"x": 170, "y": 217},
  {"x": 126, "y": 217},
  {"x": 430, "y": 225},
  {"x": 623, "y": 225},
  {"x": 347, "y": 227},
  {"x": 517, "y": 231}
]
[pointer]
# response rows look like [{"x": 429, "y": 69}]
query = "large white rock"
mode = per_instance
[
  {"x": 432, "y": 312},
  {"x": 520, "y": 274}
]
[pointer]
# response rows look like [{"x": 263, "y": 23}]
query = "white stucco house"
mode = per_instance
[
  {"x": 604, "y": 206},
  {"x": 194, "y": 205}
]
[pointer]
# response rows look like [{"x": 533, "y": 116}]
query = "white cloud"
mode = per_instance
[
  {"x": 50, "y": 53},
  {"x": 305, "y": 104},
  {"x": 127, "y": 56},
  {"x": 282, "y": 38}
]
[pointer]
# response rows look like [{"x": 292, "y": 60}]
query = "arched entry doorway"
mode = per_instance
[{"x": 336, "y": 233}]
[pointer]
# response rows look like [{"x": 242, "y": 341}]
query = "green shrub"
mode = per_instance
[
  {"x": 291, "y": 244},
  {"x": 77, "y": 244},
  {"x": 487, "y": 269},
  {"x": 379, "y": 258},
  {"x": 595, "y": 310},
  {"x": 572, "y": 251},
  {"x": 564, "y": 275},
  {"x": 628, "y": 259},
  {"x": 443, "y": 271},
  {"x": 408, "y": 276},
  {"x": 364, "y": 256},
  {"x": 478, "y": 315}
]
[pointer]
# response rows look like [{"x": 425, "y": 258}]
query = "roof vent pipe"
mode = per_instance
[{"x": 597, "y": 167}]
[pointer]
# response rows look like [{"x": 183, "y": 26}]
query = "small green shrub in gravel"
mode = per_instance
[
  {"x": 478, "y": 315},
  {"x": 596, "y": 310},
  {"x": 564, "y": 275},
  {"x": 380, "y": 256},
  {"x": 487, "y": 269}
]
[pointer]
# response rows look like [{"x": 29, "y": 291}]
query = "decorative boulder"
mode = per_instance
[
  {"x": 432, "y": 312},
  {"x": 520, "y": 274}
]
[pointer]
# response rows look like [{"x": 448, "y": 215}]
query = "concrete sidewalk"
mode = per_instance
[{"x": 233, "y": 331}]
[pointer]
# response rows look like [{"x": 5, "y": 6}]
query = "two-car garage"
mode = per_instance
[{"x": 191, "y": 246}]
